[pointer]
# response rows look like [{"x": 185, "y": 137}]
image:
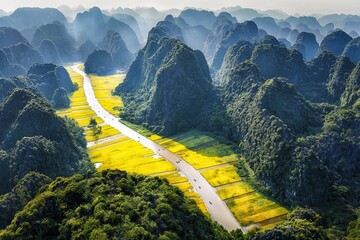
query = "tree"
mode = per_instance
[{"x": 95, "y": 128}]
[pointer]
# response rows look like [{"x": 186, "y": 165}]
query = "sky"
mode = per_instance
[{"x": 303, "y": 7}]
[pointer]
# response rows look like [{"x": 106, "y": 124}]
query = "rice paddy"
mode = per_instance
[{"x": 213, "y": 157}]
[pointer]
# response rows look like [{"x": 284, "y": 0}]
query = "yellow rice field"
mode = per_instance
[
  {"x": 221, "y": 176},
  {"x": 213, "y": 157},
  {"x": 216, "y": 160},
  {"x": 103, "y": 87}
]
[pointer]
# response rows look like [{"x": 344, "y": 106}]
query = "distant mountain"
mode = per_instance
[
  {"x": 244, "y": 14},
  {"x": 198, "y": 17},
  {"x": 10, "y": 36},
  {"x": 268, "y": 24},
  {"x": 126, "y": 32},
  {"x": 28, "y": 17},
  {"x": 352, "y": 50},
  {"x": 99, "y": 62},
  {"x": 221, "y": 25},
  {"x": 167, "y": 86},
  {"x": 194, "y": 36},
  {"x": 70, "y": 13},
  {"x": 115, "y": 45},
  {"x": 247, "y": 31},
  {"x": 93, "y": 25},
  {"x": 86, "y": 49},
  {"x": 57, "y": 33},
  {"x": 132, "y": 22},
  {"x": 50, "y": 52},
  {"x": 23, "y": 54},
  {"x": 335, "y": 42},
  {"x": 306, "y": 44}
]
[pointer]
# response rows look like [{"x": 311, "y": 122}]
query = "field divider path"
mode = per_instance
[{"x": 217, "y": 208}]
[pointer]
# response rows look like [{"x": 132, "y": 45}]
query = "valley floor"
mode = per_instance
[{"x": 210, "y": 156}]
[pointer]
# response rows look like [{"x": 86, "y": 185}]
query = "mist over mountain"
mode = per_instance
[
  {"x": 93, "y": 25},
  {"x": 115, "y": 45},
  {"x": 335, "y": 42},
  {"x": 28, "y": 17},
  {"x": 10, "y": 36},
  {"x": 57, "y": 33}
]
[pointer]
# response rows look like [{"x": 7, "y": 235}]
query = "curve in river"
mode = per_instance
[{"x": 216, "y": 207}]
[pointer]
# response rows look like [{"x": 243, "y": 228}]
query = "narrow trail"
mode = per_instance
[{"x": 216, "y": 207}]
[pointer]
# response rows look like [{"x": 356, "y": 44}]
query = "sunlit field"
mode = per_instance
[
  {"x": 122, "y": 152},
  {"x": 198, "y": 149},
  {"x": 103, "y": 87},
  {"x": 213, "y": 157},
  {"x": 253, "y": 208},
  {"x": 221, "y": 176}
]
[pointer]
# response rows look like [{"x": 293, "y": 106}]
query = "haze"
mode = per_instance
[{"x": 289, "y": 6}]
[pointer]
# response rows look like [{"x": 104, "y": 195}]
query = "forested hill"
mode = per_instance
[
  {"x": 35, "y": 146},
  {"x": 112, "y": 204}
]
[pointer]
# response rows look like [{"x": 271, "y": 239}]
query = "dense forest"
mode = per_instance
[{"x": 284, "y": 89}]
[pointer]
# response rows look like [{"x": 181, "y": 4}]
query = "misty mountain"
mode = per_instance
[
  {"x": 23, "y": 54},
  {"x": 198, "y": 17},
  {"x": 93, "y": 25},
  {"x": 247, "y": 31},
  {"x": 306, "y": 44},
  {"x": 335, "y": 42},
  {"x": 132, "y": 22},
  {"x": 28, "y": 17},
  {"x": 57, "y": 33},
  {"x": 10, "y": 36},
  {"x": 115, "y": 45}
]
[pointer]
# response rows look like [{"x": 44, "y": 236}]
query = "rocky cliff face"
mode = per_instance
[
  {"x": 167, "y": 86},
  {"x": 115, "y": 45}
]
